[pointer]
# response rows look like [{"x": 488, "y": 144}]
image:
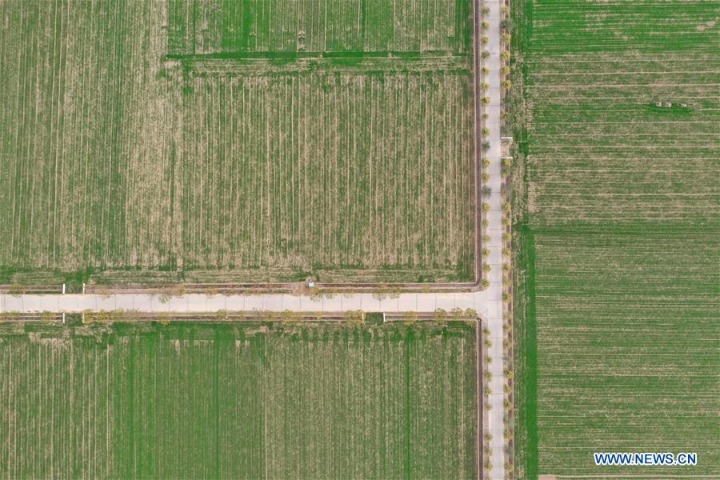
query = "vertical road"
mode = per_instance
[{"x": 492, "y": 310}]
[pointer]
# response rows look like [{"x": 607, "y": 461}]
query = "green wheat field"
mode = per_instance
[
  {"x": 619, "y": 274},
  {"x": 263, "y": 400}
]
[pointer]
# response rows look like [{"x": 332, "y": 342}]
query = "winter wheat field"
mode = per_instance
[
  {"x": 250, "y": 400},
  {"x": 237, "y": 140},
  {"x": 619, "y": 265}
]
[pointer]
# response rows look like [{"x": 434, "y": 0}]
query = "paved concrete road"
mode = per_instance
[{"x": 492, "y": 301}]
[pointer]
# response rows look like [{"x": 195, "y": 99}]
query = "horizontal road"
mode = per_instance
[{"x": 487, "y": 303}]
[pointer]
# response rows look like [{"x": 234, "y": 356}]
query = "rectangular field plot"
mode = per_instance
[
  {"x": 251, "y": 26},
  {"x": 601, "y": 150},
  {"x": 628, "y": 350},
  {"x": 86, "y": 135},
  {"x": 117, "y": 158},
  {"x": 329, "y": 169},
  {"x": 619, "y": 279},
  {"x": 229, "y": 401}
]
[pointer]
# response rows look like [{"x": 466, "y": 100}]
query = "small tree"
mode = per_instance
[
  {"x": 179, "y": 290},
  {"x": 486, "y": 191},
  {"x": 289, "y": 317},
  {"x": 382, "y": 292},
  {"x": 354, "y": 317},
  {"x": 440, "y": 315},
  {"x": 164, "y": 318},
  {"x": 16, "y": 290}
]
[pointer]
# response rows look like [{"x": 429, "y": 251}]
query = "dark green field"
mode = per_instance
[
  {"x": 618, "y": 248},
  {"x": 345, "y": 26},
  {"x": 238, "y": 401}
]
